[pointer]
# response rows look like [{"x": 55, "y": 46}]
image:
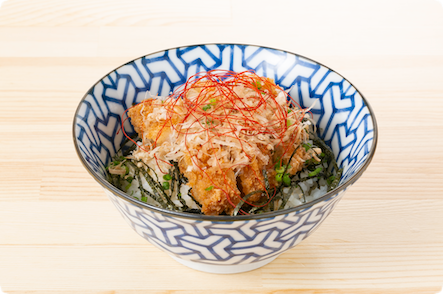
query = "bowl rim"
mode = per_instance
[{"x": 217, "y": 218}]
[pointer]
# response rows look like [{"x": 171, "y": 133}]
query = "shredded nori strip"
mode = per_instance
[
  {"x": 192, "y": 197},
  {"x": 332, "y": 176},
  {"x": 243, "y": 200}
]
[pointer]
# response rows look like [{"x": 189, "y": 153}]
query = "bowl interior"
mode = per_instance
[{"x": 343, "y": 116}]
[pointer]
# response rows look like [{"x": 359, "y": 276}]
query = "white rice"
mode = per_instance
[{"x": 317, "y": 190}]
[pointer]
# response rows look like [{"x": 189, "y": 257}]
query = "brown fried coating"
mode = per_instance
[
  {"x": 252, "y": 179},
  {"x": 218, "y": 190},
  {"x": 224, "y": 194},
  {"x": 157, "y": 131},
  {"x": 138, "y": 112},
  {"x": 215, "y": 189}
]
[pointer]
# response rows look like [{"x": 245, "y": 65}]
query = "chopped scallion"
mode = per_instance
[
  {"x": 330, "y": 180},
  {"x": 315, "y": 172},
  {"x": 286, "y": 180},
  {"x": 166, "y": 185},
  {"x": 307, "y": 146}
]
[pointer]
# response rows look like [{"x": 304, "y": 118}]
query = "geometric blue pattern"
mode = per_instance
[
  {"x": 224, "y": 243},
  {"x": 346, "y": 123}
]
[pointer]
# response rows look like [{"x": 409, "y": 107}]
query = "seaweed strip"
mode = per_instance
[
  {"x": 242, "y": 201},
  {"x": 163, "y": 198},
  {"x": 157, "y": 189},
  {"x": 286, "y": 197},
  {"x": 176, "y": 181},
  {"x": 192, "y": 197},
  {"x": 146, "y": 193}
]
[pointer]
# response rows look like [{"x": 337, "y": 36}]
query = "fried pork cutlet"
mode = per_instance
[
  {"x": 251, "y": 177},
  {"x": 215, "y": 189},
  {"x": 158, "y": 130},
  {"x": 210, "y": 130},
  {"x": 214, "y": 201}
]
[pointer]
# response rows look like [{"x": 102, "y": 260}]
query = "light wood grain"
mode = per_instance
[
  {"x": 282, "y": 291},
  {"x": 60, "y": 234}
]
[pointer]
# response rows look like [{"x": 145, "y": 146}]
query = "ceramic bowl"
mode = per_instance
[{"x": 225, "y": 244}]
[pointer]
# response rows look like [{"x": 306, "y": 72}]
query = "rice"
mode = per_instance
[
  {"x": 241, "y": 136},
  {"x": 307, "y": 190}
]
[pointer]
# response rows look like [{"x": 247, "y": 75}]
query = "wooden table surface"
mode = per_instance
[{"x": 60, "y": 234}]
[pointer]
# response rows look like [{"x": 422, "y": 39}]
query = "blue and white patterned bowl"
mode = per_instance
[{"x": 223, "y": 244}]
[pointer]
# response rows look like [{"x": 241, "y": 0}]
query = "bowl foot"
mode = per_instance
[{"x": 223, "y": 269}]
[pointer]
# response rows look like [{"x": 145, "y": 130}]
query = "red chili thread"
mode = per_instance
[{"x": 236, "y": 115}]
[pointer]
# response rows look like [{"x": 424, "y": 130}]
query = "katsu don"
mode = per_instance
[{"x": 229, "y": 133}]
